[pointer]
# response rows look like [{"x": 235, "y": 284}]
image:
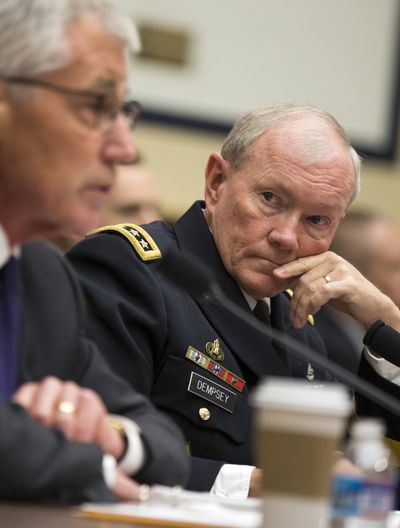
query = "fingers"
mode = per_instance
[
  {"x": 302, "y": 265},
  {"x": 89, "y": 416},
  {"x": 40, "y": 399},
  {"x": 78, "y": 412},
  {"x": 312, "y": 289},
  {"x": 321, "y": 278},
  {"x": 306, "y": 300},
  {"x": 255, "y": 482},
  {"x": 110, "y": 439},
  {"x": 63, "y": 410},
  {"x": 343, "y": 466},
  {"x": 25, "y": 394},
  {"x": 126, "y": 488},
  {"x": 329, "y": 278}
]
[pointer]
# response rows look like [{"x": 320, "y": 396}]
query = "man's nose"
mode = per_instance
[
  {"x": 120, "y": 146},
  {"x": 284, "y": 235}
]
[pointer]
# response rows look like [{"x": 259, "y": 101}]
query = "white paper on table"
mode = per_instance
[{"x": 167, "y": 507}]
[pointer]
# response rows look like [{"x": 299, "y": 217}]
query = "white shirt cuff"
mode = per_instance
[
  {"x": 233, "y": 481},
  {"x": 383, "y": 367},
  {"x": 109, "y": 469},
  {"x": 134, "y": 456}
]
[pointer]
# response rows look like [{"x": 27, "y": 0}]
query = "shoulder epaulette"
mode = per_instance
[
  {"x": 310, "y": 318},
  {"x": 138, "y": 237}
]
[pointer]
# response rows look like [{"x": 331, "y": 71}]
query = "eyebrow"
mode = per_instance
[
  {"x": 107, "y": 86},
  {"x": 280, "y": 187}
]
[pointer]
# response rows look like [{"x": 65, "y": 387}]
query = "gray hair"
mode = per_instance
[
  {"x": 237, "y": 147},
  {"x": 33, "y": 39}
]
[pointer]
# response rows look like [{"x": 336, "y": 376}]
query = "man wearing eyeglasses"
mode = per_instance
[{"x": 70, "y": 430}]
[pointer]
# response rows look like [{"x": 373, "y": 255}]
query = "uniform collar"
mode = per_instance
[{"x": 252, "y": 301}]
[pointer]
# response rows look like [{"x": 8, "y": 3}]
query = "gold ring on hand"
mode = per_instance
[
  {"x": 327, "y": 279},
  {"x": 66, "y": 407}
]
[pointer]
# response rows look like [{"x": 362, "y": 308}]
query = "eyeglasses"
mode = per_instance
[{"x": 104, "y": 107}]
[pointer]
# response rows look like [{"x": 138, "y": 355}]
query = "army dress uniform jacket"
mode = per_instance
[
  {"x": 38, "y": 463},
  {"x": 343, "y": 342},
  {"x": 196, "y": 360}
]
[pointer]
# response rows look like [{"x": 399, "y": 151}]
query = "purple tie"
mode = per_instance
[{"x": 8, "y": 328}]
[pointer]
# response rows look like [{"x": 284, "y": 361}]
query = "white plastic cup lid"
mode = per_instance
[{"x": 302, "y": 396}]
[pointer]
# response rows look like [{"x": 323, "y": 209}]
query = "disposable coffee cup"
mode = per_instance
[{"x": 298, "y": 428}]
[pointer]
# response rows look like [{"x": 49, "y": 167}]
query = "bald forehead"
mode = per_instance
[
  {"x": 306, "y": 145},
  {"x": 307, "y": 139}
]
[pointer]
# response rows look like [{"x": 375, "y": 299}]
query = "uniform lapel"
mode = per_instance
[{"x": 251, "y": 347}]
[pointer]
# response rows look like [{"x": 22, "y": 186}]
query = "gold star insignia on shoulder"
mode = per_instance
[{"x": 138, "y": 237}]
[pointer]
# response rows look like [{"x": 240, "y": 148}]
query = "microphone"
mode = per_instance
[{"x": 189, "y": 273}]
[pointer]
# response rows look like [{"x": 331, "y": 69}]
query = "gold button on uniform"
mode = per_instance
[{"x": 204, "y": 413}]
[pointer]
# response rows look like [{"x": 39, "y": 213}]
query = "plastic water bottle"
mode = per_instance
[{"x": 364, "y": 499}]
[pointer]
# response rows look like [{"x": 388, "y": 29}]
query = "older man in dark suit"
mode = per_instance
[{"x": 69, "y": 428}]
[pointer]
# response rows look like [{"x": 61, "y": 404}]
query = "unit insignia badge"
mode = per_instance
[
  {"x": 214, "y": 350},
  {"x": 310, "y": 373}
]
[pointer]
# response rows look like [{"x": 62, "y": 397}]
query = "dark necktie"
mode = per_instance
[
  {"x": 261, "y": 311},
  {"x": 8, "y": 329}
]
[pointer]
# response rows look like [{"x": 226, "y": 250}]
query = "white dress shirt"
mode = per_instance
[
  {"x": 6, "y": 251},
  {"x": 383, "y": 367}
]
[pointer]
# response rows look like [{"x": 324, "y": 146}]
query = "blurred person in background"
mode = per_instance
[
  {"x": 371, "y": 242},
  {"x": 134, "y": 198},
  {"x": 70, "y": 429}
]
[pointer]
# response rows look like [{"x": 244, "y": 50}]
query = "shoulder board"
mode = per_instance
[
  {"x": 138, "y": 237},
  {"x": 310, "y": 318}
]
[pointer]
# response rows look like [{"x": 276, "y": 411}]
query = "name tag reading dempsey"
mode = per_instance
[{"x": 212, "y": 391}]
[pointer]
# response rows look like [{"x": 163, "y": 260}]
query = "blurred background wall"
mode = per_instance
[{"x": 206, "y": 63}]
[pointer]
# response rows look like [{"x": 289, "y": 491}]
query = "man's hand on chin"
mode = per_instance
[{"x": 329, "y": 278}]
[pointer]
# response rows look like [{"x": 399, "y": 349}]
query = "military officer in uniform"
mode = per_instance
[{"x": 275, "y": 193}]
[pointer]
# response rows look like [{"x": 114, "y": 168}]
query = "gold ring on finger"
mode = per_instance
[
  {"x": 66, "y": 407},
  {"x": 327, "y": 279}
]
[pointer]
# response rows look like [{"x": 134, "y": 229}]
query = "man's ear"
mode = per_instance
[{"x": 215, "y": 176}]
